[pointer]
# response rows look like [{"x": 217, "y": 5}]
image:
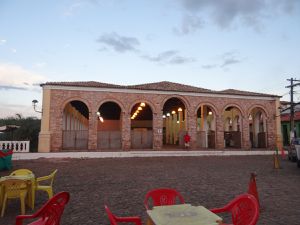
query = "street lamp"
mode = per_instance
[{"x": 34, "y": 104}]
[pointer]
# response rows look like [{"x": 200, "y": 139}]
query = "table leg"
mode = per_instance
[
  {"x": 149, "y": 221},
  {"x": 1, "y": 196}
]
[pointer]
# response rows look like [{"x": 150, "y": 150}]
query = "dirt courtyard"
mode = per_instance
[{"x": 122, "y": 183}]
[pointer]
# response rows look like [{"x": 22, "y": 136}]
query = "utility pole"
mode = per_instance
[{"x": 292, "y": 109}]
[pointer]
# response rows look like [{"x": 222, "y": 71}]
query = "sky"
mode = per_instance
[{"x": 214, "y": 44}]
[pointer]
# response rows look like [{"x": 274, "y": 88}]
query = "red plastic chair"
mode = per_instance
[
  {"x": 244, "y": 210},
  {"x": 50, "y": 213},
  {"x": 162, "y": 196},
  {"x": 114, "y": 220}
]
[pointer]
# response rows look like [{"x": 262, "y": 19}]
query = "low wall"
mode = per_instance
[{"x": 16, "y": 146}]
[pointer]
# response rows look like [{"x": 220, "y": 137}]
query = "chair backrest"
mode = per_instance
[
  {"x": 111, "y": 216},
  {"x": 163, "y": 196},
  {"x": 21, "y": 172},
  {"x": 51, "y": 211},
  {"x": 244, "y": 210},
  {"x": 14, "y": 187}
]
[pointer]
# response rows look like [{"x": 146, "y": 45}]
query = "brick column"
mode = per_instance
[
  {"x": 93, "y": 121},
  {"x": 192, "y": 128},
  {"x": 157, "y": 130},
  {"x": 271, "y": 132},
  {"x": 219, "y": 132},
  {"x": 126, "y": 131},
  {"x": 246, "y": 144}
]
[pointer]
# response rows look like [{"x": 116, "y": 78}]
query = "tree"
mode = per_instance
[{"x": 28, "y": 131}]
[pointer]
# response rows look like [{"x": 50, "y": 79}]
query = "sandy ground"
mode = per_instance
[{"x": 122, "y": 183}]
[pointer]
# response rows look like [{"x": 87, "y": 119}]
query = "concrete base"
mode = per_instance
[{"x": 122, "y": 154}]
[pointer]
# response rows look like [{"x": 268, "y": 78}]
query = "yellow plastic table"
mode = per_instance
[
  {"x": 31, "y": 188},
  {"x": 184, "y": 214}
]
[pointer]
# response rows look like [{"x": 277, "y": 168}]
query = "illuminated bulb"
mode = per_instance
[
  {"x": 101, "y": 119},
  {"x": 177, "y": 121},
  {"x": 173, "y": 112},
  {"x": 179, "y": 109},
  {"x": 98, "y": 113},
  {"x": 168, "y": 114},
  {"x": 140, "y": 108},
  {"x": 164, "y": 116},
  {"x": 210, "y": 113},
  {"x": 143, "y": 104}
]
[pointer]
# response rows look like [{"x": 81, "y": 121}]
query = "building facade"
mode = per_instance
[{"x": 94, "y": 116}]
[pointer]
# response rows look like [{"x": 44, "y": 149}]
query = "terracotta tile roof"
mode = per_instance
[
  {"x": 157, "y": 86},
  {"x": 83, "y": 84},
  {"x": 245, "y": 93},
  {"x": 286, "y": 117},
  {"x": 169, "y": 86}
]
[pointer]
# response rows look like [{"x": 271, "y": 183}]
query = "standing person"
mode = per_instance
[{"x": 187, "y": 139}]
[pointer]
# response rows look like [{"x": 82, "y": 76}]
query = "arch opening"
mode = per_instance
[
  {"x": 75, "y": 126},
  {"x": 109, "y": 135},
  {"x": 141, "y": 126},
  {"x": 232, "y": 127},
  {"x": 206, "y": 127},
  {"x": 174, "y": 122},
  {"x": 258, "y": 128}
]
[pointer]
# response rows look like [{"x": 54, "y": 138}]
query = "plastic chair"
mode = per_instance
[
  {"x": 14, "y": 188},
  {"x": 21, "y": 172},
  {"x": 31, "y": 189},
  {"x": 47, "y": 188},
  {"x": 50, "y": 213},
  {"x": 244, "y": 210},
  {"x": 114, "y": 220},
  {"x": 162, "y": 196}
]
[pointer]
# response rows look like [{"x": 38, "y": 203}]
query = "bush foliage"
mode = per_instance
[{"x": 28, "y": 131}]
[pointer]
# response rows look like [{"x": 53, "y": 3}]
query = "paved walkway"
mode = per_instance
[{"x": 130, "y": 154}]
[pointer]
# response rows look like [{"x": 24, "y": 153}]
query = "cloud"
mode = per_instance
[
  {"x": 11, "y": 110},
  {"x": 2, "y": 41},
  {"x": 39, "y": 64},
  {"x": 14, "y": 77},
  {"x": 230, "y": 58},
  {"x": 225, "y": 61},
  {"x": 251, "y": 13},
  {"x": 209, "y": 66},
  {"x": 190, "y": 24},
  {"x": 73, "y": 8},
  {"x": 119, "y": 43},
  {"x": 169, "y": 57}
]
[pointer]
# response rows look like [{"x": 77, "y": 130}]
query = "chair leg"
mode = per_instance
[
  {"x": 50, "y": 193},
  {"x": 3, "y": 205},
  {"x": 22, "y": 200}
]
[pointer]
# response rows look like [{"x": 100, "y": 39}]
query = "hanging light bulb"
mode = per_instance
[
  {"x": 164, "y": 116},
  {"x": 140, "y": 108},
  {"x": 143, "y": 104},
  {"x": 168, "y": 114},
  {"x": 179, "y": 109},
  {"x": 173, "y": 112}
]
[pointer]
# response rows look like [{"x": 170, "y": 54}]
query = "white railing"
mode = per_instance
[{"x": 17, "y": 146}]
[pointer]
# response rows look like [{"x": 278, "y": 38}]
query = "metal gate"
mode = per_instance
[
  {"x": 232, "y": 139},
  {"x": 141, "y": 138},
  {"x": 109, "y": 140},
  {"x": 75, "y": 139}
]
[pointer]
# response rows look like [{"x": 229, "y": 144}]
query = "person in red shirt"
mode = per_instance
[{"x": 187, "y": 139}]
